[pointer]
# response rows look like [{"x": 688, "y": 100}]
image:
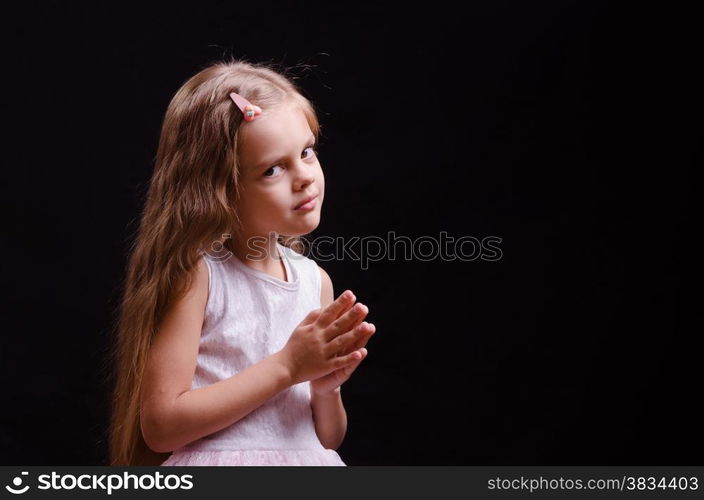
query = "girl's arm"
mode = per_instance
[
  {"x": 172, "y": 414},
  {"x": 329, "y": 413}
]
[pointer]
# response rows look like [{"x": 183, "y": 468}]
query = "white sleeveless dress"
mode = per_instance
[{"x": 249, "y": 316}]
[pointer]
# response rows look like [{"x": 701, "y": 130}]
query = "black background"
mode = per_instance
[{"x": 568, "y": 129}]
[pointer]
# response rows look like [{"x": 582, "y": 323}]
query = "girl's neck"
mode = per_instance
[{"x": 262, "y": 255}]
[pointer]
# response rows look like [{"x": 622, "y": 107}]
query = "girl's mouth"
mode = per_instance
[{"x": 308, "y": 205}]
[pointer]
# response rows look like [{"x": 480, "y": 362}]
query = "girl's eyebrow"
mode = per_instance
[{"x": 311, "y": 141}]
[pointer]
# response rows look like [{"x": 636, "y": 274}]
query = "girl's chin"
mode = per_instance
[{"x": 303, "y": 227}]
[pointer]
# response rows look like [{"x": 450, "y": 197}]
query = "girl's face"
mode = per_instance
[{"x": 279, "y": 170}]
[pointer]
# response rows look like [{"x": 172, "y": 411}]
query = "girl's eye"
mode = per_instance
[
  {"x": 313, "y": 152},
  {"x": 270, "y": 169}
]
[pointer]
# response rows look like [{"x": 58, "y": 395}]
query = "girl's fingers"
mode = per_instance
[
  {"x": 335, "y": 308},
  {"x": 311, "y": 317},
  {"x": 355, "y": 338},
  {"x": 365, "y": 338},
  {"x": 348, "y": 370},
  {"x": 360, "y": 355},
  {"x": 347, "y": 321},
  {"x": 352, "y": 358},
  {"x": 363, "y": 351}
]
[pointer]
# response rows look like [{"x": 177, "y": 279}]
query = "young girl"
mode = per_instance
[{"x": 234, "y": 356}]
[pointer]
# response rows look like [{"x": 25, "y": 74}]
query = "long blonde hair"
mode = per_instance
[{"x": 189, "y": 204}]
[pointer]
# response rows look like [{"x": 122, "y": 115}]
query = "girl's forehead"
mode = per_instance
[
  {"x": 275, "y": 133},
  {"x": 274, "y": 120}
]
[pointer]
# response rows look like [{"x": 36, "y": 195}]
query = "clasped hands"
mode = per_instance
[{"x": 329, "y": 344}]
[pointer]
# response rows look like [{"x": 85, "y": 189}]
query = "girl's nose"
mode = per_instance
[{"x": 304, "y": 175}]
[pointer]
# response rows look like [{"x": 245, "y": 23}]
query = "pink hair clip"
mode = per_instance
[{"x": 249, "y": 110}]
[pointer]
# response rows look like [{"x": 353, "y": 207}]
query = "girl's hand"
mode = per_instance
[
  {"x": 326, "y": 341},
  {"x": 329, "y": 383}
]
